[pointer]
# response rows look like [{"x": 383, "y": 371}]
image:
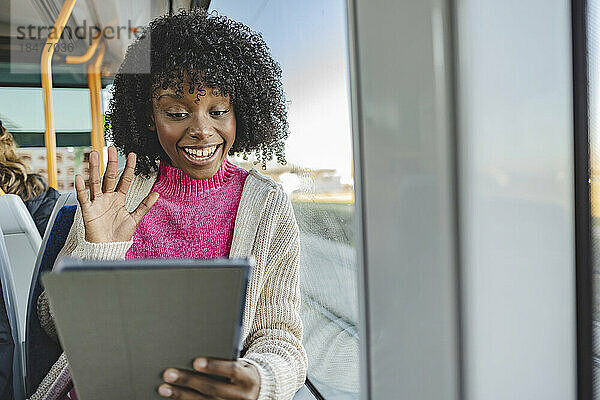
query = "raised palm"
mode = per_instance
[{"x": 104, "y": 214}]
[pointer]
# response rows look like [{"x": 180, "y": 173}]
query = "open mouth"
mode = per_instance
[{"x": 200, "y": 153}]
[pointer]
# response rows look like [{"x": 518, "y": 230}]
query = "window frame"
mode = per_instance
[{"x": 582, "y": 176}]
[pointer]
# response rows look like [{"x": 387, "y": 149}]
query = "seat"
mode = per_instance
[
  {"x": 10, "y": 352},
  {"x": 41, "y": 351},
  {"x": 23, "y": 242}
]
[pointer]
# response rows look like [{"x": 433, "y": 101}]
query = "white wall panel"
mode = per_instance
[
  {"x": 516, "y": 198},
  {"x": 404, "y": 148}
]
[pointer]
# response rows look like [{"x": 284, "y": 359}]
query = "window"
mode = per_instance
[
  {"x": 72, "y": 124},
  {"x": 72, "y": 111},
  {"x": 308, "y": 39}
]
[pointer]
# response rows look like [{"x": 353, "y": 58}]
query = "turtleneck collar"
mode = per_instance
[{"x": 174, "y": 182}]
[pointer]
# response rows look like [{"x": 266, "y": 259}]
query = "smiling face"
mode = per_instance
[{"x": 195, "y": 130}]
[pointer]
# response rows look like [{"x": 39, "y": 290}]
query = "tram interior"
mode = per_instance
[
  {"x": 442, "y": 165},
  {"x": 321, "y": 190}
]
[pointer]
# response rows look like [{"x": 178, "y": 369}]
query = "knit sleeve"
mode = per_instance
[
  {"x": 274, "y": 343},
  {"x": 77, "y": 246}
]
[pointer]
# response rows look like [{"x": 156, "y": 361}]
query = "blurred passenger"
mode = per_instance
[
  {"x": 7, "y": 348},
  {"x": 15, "y": 178}
]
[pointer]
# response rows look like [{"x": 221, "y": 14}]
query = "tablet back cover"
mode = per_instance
[{"x": 121, "y": 329}]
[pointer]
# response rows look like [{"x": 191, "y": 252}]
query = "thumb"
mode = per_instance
[{"x": 144, "y": 207}]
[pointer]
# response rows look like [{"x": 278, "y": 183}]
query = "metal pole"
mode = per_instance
[
  {"x": 97, "y": 137},
  {"x": 94, "y": 84},
  {"x": 46, "y": 71},
  {"x": 88, "y": 54}
]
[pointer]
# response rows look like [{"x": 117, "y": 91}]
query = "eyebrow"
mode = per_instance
[
  {"x": 174, "y": 96},
  {"x": 225, "y": 100}
]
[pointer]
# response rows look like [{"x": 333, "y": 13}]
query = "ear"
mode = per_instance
[{"x": 151, "y": 124}]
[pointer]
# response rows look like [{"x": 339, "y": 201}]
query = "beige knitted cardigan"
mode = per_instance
[{"x": 265, "y": 227}]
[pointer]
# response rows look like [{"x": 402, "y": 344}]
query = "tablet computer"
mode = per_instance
[{"x": 122, "y": 323}]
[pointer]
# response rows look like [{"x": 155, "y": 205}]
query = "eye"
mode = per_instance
[
  {"x": 219, "y": 112},
  {"x": 177, "y": 115}
]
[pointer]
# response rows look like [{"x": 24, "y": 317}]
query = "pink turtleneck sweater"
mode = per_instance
[{"x": 192, "y": 217}]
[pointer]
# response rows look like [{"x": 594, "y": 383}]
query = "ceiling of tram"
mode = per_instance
[{"x": 25, "y": 25}]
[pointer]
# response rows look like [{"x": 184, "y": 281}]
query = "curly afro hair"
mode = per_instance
[{"x": 203, "y": 51}]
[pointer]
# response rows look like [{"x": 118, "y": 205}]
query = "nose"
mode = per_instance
[{"x": 200, "y": 126}]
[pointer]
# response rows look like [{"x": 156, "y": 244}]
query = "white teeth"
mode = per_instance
[{"x": 203, "y": 153}]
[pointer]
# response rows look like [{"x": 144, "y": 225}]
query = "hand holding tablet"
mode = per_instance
[{"x": 241, "y": 379}]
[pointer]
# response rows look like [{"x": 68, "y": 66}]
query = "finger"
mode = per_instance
[
  {"x": 228, "y": 369},
  {"x": 144, "y": 207},
  {"x": 174, "y": 392},
  {"x": 110, "y": 176},
  {"x": 82, "y": 195},
  {"x": 201, "y": 383},
  {"x": 95, "y": 190},
  {"x": 127, "y": 176}
]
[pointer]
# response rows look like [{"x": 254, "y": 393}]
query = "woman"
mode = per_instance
[
  {"x": 214, "y": 90},
  {"x": 31, "y": 188}
]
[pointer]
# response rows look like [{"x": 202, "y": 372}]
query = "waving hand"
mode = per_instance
[{"x": 104, "y": 214}]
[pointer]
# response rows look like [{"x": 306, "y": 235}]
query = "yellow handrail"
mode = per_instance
[
  {"x": 95, "y": 85},
  {"x": 88, "y": 54},
  {"x": 1, "y": 192},
  {"x": 46, "y": 67}
]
